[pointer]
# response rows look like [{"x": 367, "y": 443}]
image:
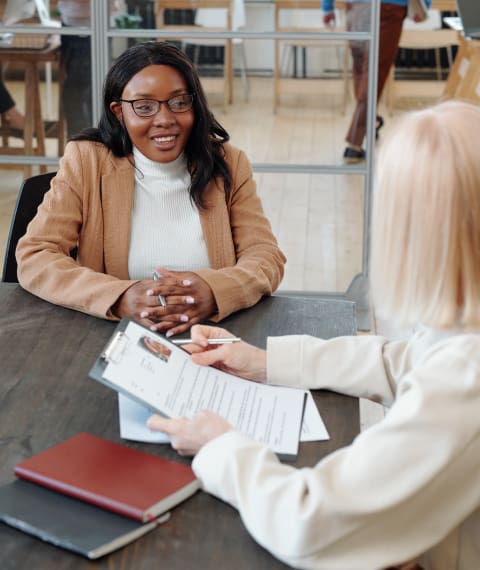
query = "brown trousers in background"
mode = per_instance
[{"x": 358, "y": 19}]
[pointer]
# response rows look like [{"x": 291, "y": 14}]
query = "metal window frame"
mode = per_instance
[{"x": 101, "y": 33}]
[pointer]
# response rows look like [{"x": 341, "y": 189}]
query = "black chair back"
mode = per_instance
[{"x": 29, "y": 198}]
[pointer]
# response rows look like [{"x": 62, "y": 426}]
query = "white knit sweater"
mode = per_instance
[{"x": 165, "y": 227}]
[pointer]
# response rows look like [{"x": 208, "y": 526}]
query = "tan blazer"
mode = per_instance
[{"x": 89, "y": 205}]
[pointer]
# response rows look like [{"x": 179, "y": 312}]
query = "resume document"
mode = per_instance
[{"x": 156, "y": 373}]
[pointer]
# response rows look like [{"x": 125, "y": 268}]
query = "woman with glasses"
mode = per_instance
[{"x": 163, "y": 211}]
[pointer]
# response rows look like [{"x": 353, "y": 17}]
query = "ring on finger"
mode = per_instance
[{"x": 162, "y": 300}]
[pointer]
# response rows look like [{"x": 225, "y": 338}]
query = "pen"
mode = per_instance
[
  {"x": 181, "y": 341},
  {"x": 161, "y": 298}
]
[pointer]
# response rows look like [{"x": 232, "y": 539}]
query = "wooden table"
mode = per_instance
[
  {"x": 31, "y": 59},
  {"x": 46, "y": 396},
  {"x": 444, "y": 5}
]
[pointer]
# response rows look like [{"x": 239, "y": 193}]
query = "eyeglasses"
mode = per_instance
[{"x": 150, "y": 107}]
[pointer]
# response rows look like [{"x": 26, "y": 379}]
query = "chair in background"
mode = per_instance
[
  {"x": 306, "y": 16},
  {"x": 29, "y": 198},
  {"x": 469, "y": 87},
  {"x": 464, "y": 78},
  {"x": 425, "y": 35},
  {"x": 217, "y": 18},
  {"x": 227, "y": 6}
]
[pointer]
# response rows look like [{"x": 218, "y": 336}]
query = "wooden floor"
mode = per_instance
[{"x": 318, "y": 220}]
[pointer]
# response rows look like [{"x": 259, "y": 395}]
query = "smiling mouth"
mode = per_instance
[{"x": 165, "y": 139}]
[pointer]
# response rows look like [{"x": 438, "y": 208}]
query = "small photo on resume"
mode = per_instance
[{"x": 155, "y": 347}]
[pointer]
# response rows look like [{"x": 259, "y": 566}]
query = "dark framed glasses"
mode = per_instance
[{"x": 150, "y": 107}]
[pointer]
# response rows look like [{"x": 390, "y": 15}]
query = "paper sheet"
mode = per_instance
[
  {"x": 133, "y": 422},
  {"x": 159, "y": 374}
]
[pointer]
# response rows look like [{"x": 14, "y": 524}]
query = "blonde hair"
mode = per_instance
[{"x": 425, "y": 248}]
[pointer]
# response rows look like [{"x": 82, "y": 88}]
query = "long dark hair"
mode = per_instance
[{"x": 204, "y": 150}]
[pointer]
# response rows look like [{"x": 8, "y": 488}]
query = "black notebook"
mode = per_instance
[{"x": 66, "y": 522}]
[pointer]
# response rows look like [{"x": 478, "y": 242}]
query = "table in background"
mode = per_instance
[
  {"x": 46, "y": 396},
  {"x": 31, "y": 59},
  {"x": 444, "y": 5}
]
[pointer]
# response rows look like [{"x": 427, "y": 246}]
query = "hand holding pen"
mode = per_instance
[{"x": 213, "y": 346}]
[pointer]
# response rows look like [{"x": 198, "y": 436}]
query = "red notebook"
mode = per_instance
[{"x": 112, "y": 476}]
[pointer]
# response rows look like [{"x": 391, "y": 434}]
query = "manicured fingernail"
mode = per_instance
[
  {"x": 189, "y": 300},
  {"x": 153, "y": 328},
  {"x": 144, "y": 314},
  {"x": 184, "y": 319},
  {"x": 186, "y": 282},
  {"x": 169, "y": 334},
  {"x": 150, "y": 292}
]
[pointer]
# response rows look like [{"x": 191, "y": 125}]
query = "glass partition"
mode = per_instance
[
  {"x": 276, "y": 76},
  {"x": 318, "y": 221}
]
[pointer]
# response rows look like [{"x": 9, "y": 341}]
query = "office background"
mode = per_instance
[{"x": 286, "y": 99}]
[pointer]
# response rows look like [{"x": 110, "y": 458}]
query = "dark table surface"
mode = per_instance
[{"x": 46, "y": 396}]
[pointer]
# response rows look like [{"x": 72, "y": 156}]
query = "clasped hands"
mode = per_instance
[
  {"x": 189, "y": 299},
  {"x": 189, "y": 435}
]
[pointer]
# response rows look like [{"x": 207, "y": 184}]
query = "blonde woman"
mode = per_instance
[{"x": 408, "y": 488}]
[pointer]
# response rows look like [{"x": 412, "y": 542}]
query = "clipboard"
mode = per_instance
[
  {"x": 109, "y": 349},
  {"x": 112, "y": 352},
  {"x": 161, "y": 376}
]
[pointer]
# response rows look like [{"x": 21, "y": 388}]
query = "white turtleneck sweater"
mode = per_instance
[{"x": 165, "y": 227}]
